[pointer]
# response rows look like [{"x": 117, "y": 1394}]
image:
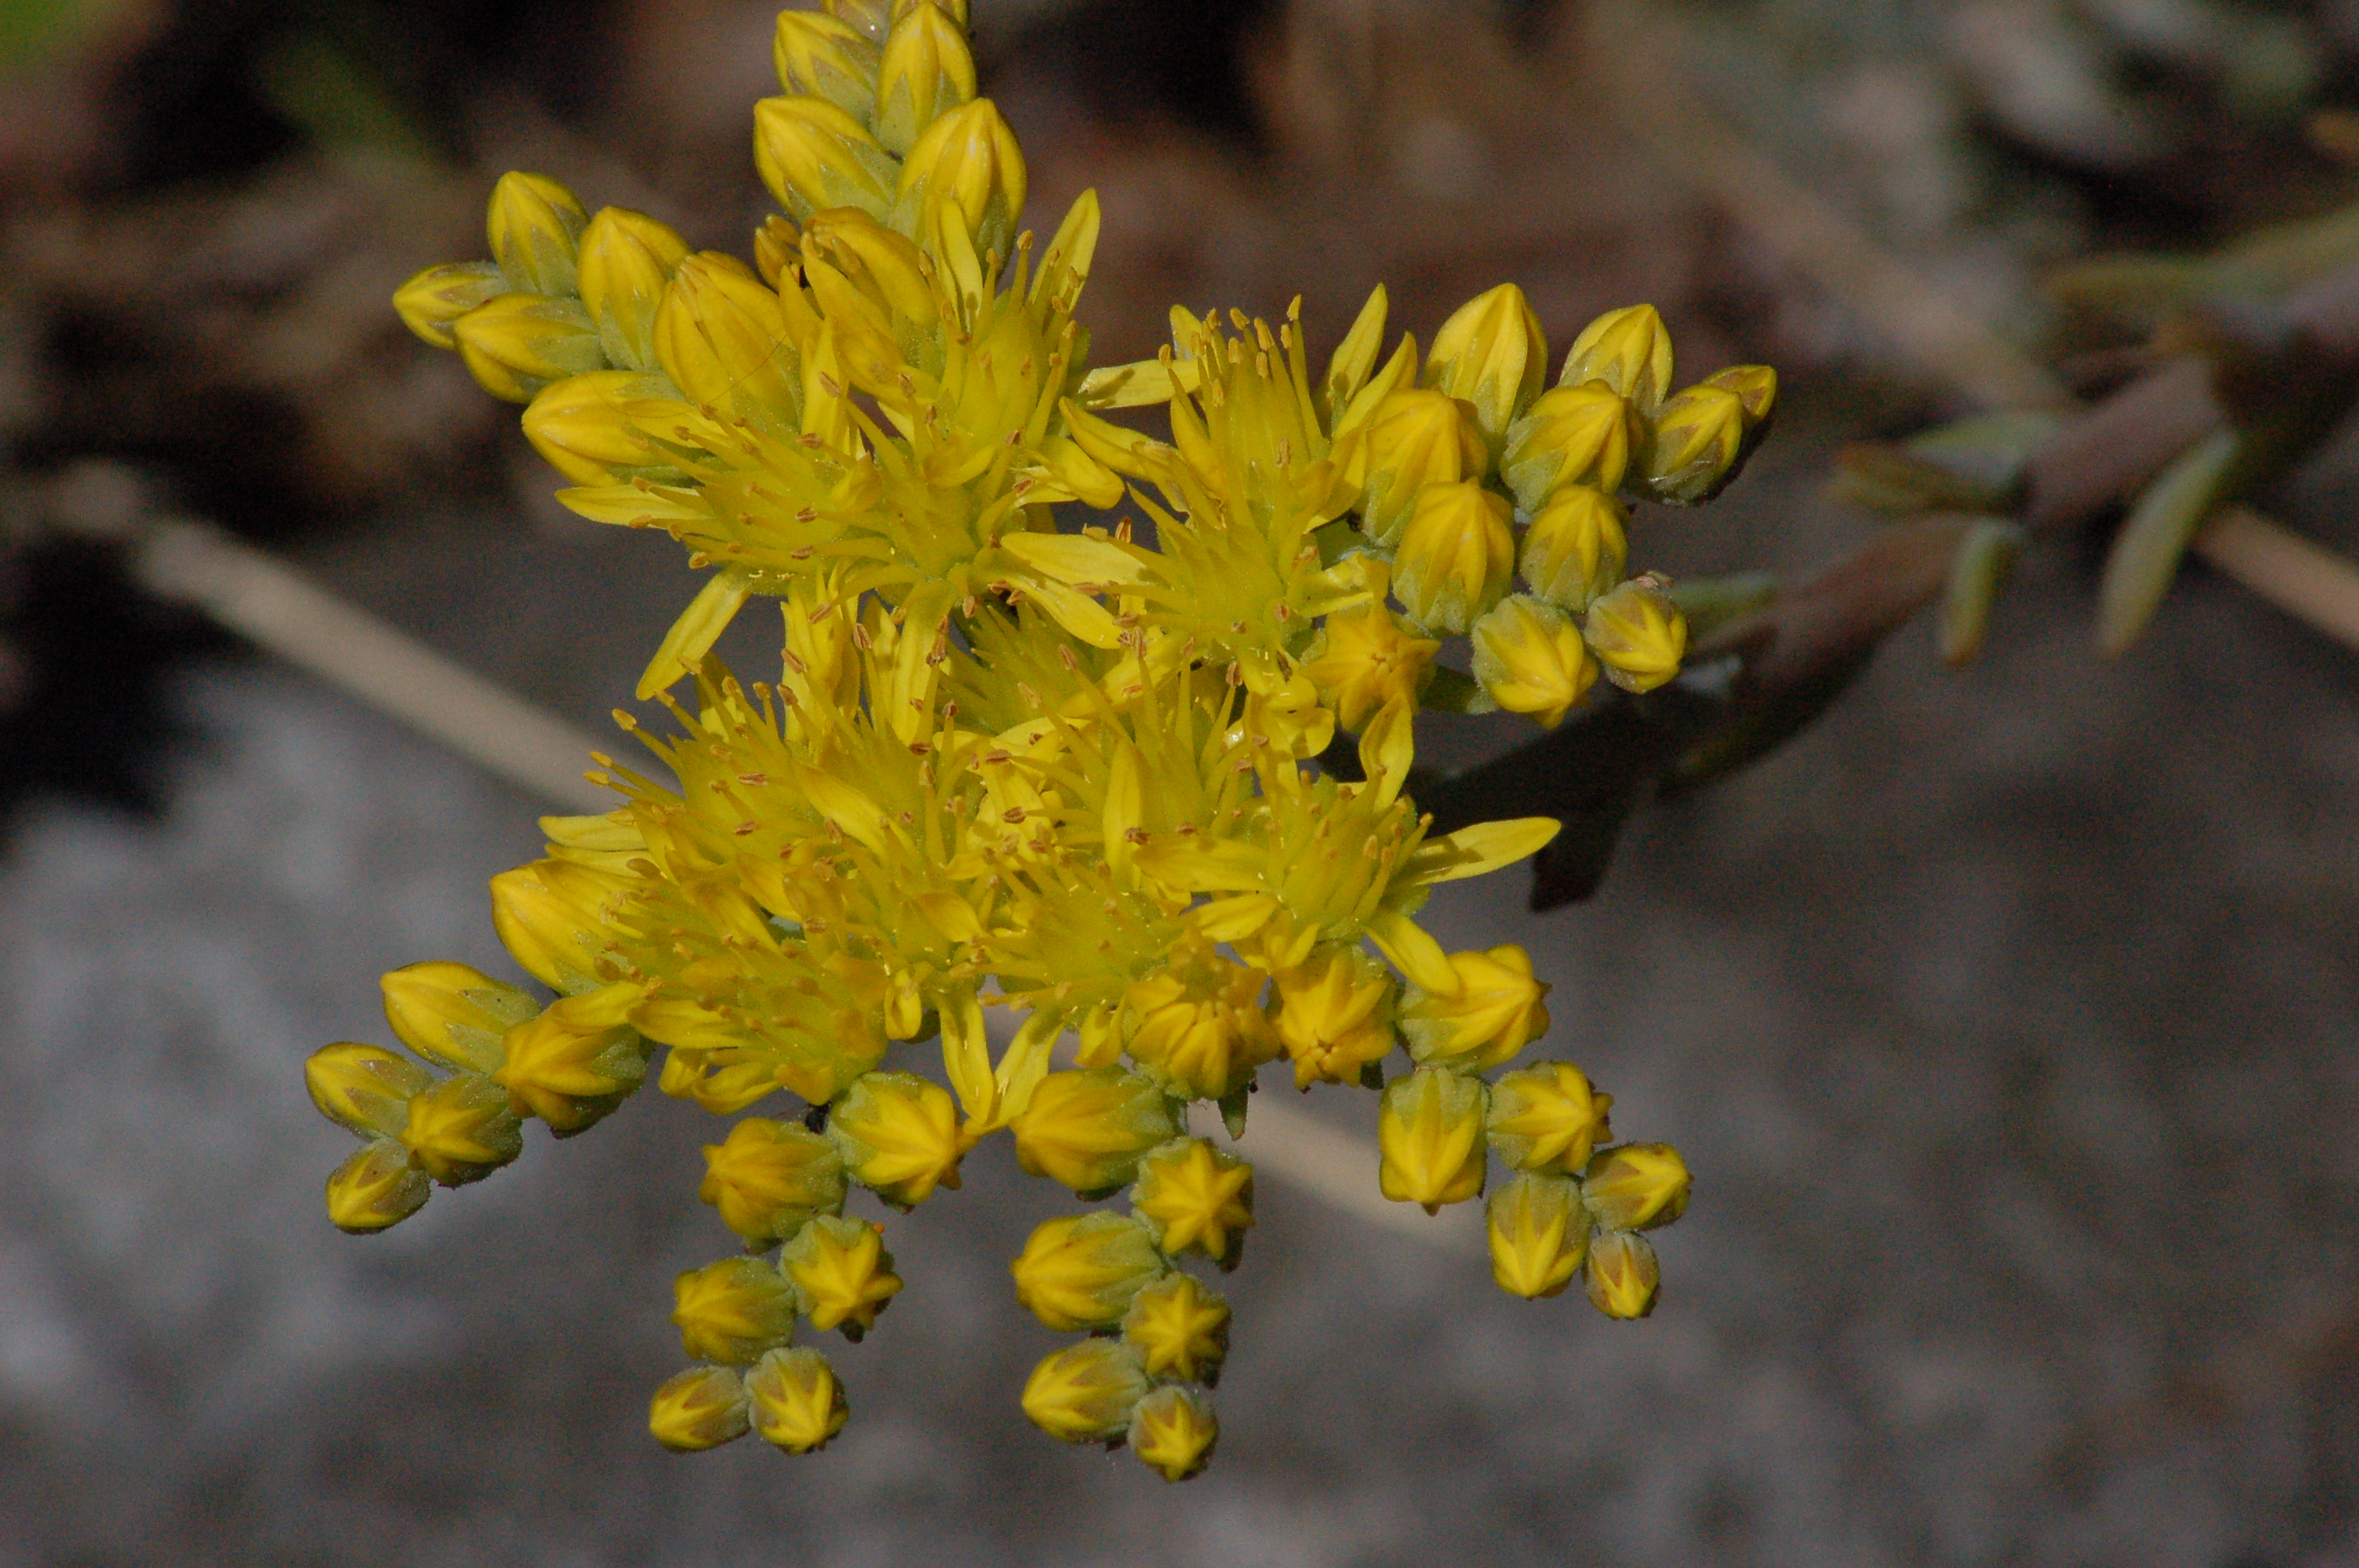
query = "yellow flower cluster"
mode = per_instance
[{"x": 1077, "y": 776}]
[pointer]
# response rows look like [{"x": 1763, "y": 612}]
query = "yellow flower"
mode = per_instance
[
  {"x": 1200, "y": 1030},
  {"x": 1180, "y": 1328},
  {"x": 899, "y": 1135},
  {"x": 732, "y": 1311},
  {"x": 769, "y": 1178},
  {"x": 794, "y": 1400},
  {"x": 1623, "y": 1273},
  {"x": 1173, "y": 1431},
  {"x": 1457, "y": 555},
  {"x": 1193, "y": 1197},
  {"x": 1364, "y": 659},
  {"x": 1637, "y": 1186},
  {"x": 702, "y": 1408},
  {"x": 1335, "y": 1016},
  {"x": 1546, "y": 1118},
  {"x": 460, "y": 1129},
  {"x": 1637, "y": 633},
  {"x": 1431, "y": 1132},
  {"x": 1494, "y": 1012},
  {"x": 1087, "y": 1129},
  {"x": 1085, "y": 1392},
  {"x": 1539, "y": 1235},
  {"x": 575, "y": 1062},
  {"x": 1530, "y": 658},
  {"x": 1083, "y": 1271},
  {"x": 841, "y": 1271}
]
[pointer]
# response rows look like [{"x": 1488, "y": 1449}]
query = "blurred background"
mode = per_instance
[{"x": 2007, "y": 1016}]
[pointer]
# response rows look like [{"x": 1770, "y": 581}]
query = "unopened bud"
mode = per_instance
[
  {"x": 813, "y": 156},
  {"x": 825, "y": 58},
  {"x": 378, "y": 1186},
  {"x": 1623, "y": 1273},
  {"x": 588, "y": 427},
  {"x": 1573, "y": 435},
  {"x": 577, "y": 1061},
  {"x": 1193, "y": 1197},
  {"x": 1530, "y": 658},
  {"x": 732, "y": 1311},
  {"x": 1173, "y": 1431},
  {"x": 627, "y": 259},
  {"x": 702, "y": 1408},
  {"x": 1417, "y": 437},
  {"x": 1490, "y": 355},
  {"x": 769, "y": 1178},
  {"x": 1539, "y": 1235},
  {"x": 899, "y": 1136},
  {"x": 1637, "y": 1186},
  {"x": 1755, "y": 386},
  {"x": 1202, "y": 1034},
  {"x": 533, "y": 223},
  {"x": 841, "y": 1271},
  {"x": 1495, "y": 1013},
  {"x": 926, "y": 72},
  {"x": 514, "y": 345},
  {"x": 796, "y": 1399},
  {"x": 1575, "y": 550},
  {"x": 1630, "y": 350},
  {"x": 550, "y": 916},
  {"x": 453, "y": 1015},
  {"x": 882, "y": 263},
  {"x": 722, "y": 337},
  {"x": 1081, "y": 1272},
  {"x": 1431, "y": 1132},
  {"x": 461, "y": 1130},
  {"x": 1085, "y": 1392},
  {"x": 1692, "y": 446},
  {"x": 870, "y": 18},
  {"x": 1335, "y": 1015},
  {"x": 1180, "y": 1327},
  {"x": 1087, "y": 1129},
  {"x": 1457, "y": 555},
  {"x": 1637, "y": 633},
  {"x": 967, "y": 160},
  {"x": 1546, "y": 1118},
  {"x": 365, "y": 1088},
  {"x": 434, "y": 298}
]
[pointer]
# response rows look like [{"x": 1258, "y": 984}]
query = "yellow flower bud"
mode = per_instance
[
  {"x": 1546, "y": 1118},
  {"x": 1193, "y": 1197},
  {"x": 882, "y": 265},
  {"x": 1335, "y": 1016},
  {"x": 899, "y": 1136},
  {"x": 1457, "y": 555},
  {"x": 1490, "y": 355},
  {"x": 825, "y": 58},
  {"x": 967, "y": 159},
  {"x": 956, "y": 10},
  {"x": 1756, "y": 387},
  {"x": 1495, "y": 1012},
  {"x": 926, "y": 72},
  {"x": 1431, "y": 1132},
  {"x": 587, "y": 427},
  {"x": 533, "y": 225},
  {"x": 1539, "y": 1235},
  {"x": 1623, "y": 1273},
  {"x": 769, "y": 1178},
  {"x": 1083, "y": 1271},
  {"x": 453, "y": 1015},
  {"x": 1692, "y": 445},
  {"x": 1173, "y": 1431},
  {"x": 732, "y": 1311},
  {"x": 376, "y": 1187},
  {"x": 1576, "y": 547},
  {"x": 1179, "y": 1329},
  {"x": 627, "y": 259},
  {"x": 702, "y": 1408},
  {"x": 721, "y": 338},
  {"x": 1637, "y": 633},
  {"x": 548, "y": 916},
  {"x": 813, "y": 156},
  {"x": 1417, "y": 437},
  {"x": 438, "y": 296},
  {"x": 461, "y": 1130},
  {"x": 1085, "y": 1392},
  {"x": 514, "y": 345},
  {"x": 1639, "y": 1187},
  {"x": 1197, "y": 1029},
  {"x": 1630, "y": 350},
  {"x": 797, "y": 1401},
  {"x": 1087, "y": 1129},
  {"x": 1530, "y": 658},
  {"x": 1364, "y": 658},
  {"x": 365, "y": 1088},
  {"x": 1573, "y": 435},
  {"x": 869, "y": 17},
  {"x": 576, "y": 1062},
  {"x": 842, "y": 1272}
]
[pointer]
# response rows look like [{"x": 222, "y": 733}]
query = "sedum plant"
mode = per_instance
[{"x": 1088, "y": 776}]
